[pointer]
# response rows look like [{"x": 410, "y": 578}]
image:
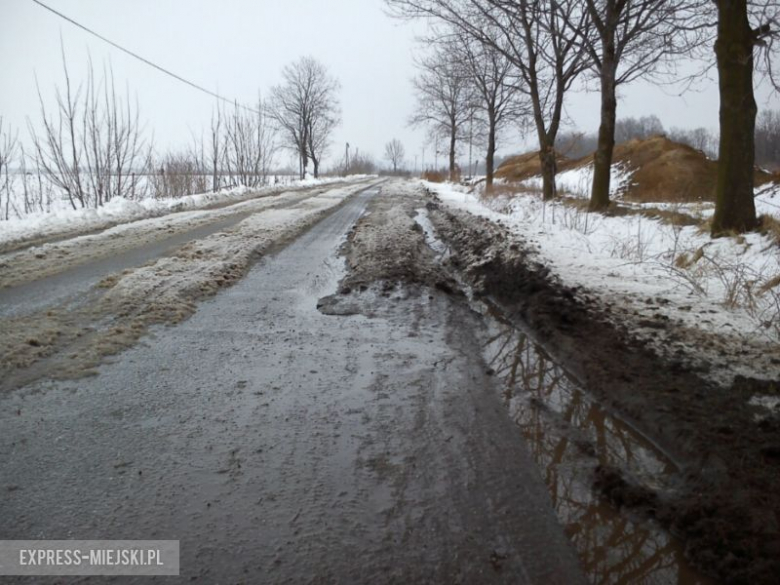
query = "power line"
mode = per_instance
[{"x": 143, "y": 60}]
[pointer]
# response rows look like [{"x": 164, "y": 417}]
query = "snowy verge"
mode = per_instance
[
  {"x": 714, "y": 303},
  {"x": 120, "y": 210}
]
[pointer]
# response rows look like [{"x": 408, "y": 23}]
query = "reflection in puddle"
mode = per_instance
[{"x": 569, "y": 435}]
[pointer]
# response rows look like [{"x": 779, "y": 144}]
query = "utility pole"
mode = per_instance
[
  {"x": 346, "y": 159},
  {"x": 415, "y": 164}
]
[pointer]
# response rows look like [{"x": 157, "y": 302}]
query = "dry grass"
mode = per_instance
[
  {"x": 770, "y": 226},
  {"x": 434, "y": 176},
  {"x": 684, "y": 261},
  {"x": 525, "y": 166},
  {"x": 769, "y": 285}
]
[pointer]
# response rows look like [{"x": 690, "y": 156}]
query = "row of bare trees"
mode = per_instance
[
  {"x": 466, "y": 86},
  {"x": 91, "y": 147},
  {"x": 548, "y": 45},
  {"x": 239, "y": 150}
]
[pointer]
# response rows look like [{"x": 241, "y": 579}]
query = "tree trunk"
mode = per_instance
[
  {"x": 735, "y": 209},
  {"x": 316, "y": 165},
  {"x": 452, "y": 154},
  {"x": 304, "y": 163},
  {"x": 547, "y": 159},
  {"x": 491, "y": 154},
  {"x": 602, "y": 164}
]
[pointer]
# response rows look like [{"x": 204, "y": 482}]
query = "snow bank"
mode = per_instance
[{"x": 119, "y": 210}]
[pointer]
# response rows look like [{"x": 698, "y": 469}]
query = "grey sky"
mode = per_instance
[{"x": 238, "y": 47}]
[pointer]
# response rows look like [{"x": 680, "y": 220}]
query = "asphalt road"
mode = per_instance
[
  {"x": 281, "y": 445},
  {"x": 124, "y": 249}
]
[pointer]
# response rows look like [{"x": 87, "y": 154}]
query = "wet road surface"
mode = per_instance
[
  {"x": 160, "y": 237},
  {"x": 282, "y": 445}
]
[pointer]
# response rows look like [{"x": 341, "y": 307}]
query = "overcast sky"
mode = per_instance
[{"x": 238, "y": 48}]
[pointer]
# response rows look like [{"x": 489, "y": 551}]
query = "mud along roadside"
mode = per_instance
[{"x": 726, "y": 509}]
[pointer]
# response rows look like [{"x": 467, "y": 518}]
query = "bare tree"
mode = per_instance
[
  {"x": 494, "y": 80},
  {"x": 319, "y": 134},
  {"x": 8, "y": 148},
  {"x": 306, "y": 110},
  {"x": 534, "y": 37},
  {"x": 394, "y": 153},
  {"x": 742, "y": 26},
  {"x": 445, "y": 99},
  {"x": 60, "y": 151},
  {"x": 92, "y": 147},
  {"x": 112, "y": 141},
  {"x": 625, "y": 40}
]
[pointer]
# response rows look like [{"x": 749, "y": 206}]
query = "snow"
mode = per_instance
[
  {"x": 645, "y": 269},
  {"x": 425, "y": 224},
  {"x": 120, "y": 210},
  {"x": 576, "y": 182}
]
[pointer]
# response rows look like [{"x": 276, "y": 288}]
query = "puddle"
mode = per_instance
[{"x": 569, "y": 434}]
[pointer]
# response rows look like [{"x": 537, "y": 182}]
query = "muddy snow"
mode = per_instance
[{"x": 71, "y": 337}]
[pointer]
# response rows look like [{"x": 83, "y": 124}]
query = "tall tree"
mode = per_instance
[
  {"x": 444, "y": 99},
  {"x": 306, "y": 109},
  {"x": 737, "y": 38},
  {"x": 627, "y": 39},
  {"x": 534, "y": 37}
]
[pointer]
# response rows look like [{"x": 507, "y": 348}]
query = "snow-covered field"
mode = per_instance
[
  {"x": 120, "y": 210},
  {"x": 720, "y": 297}
]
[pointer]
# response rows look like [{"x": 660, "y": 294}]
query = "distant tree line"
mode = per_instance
[{"x": 574, "y": 144}]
